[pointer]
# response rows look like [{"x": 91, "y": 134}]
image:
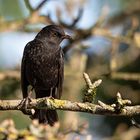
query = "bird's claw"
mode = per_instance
[
  {"x": 23, "y": 106},
  {"x": 51, "y": 97}
]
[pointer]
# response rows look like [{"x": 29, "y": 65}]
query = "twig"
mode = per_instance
[
  {"x": 40, "y": 5},
  {"x": 120, "y": 103},
  {"x": 135, "y": 123},
  {"x": 10, "y": 74},
  {"x": 90, "y": 92},
  {"x": 125, "y": 76},
  {"x": 75, "y": 21},
  {"x": 28, "y": 5}
]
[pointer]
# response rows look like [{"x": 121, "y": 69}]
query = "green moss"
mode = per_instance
[{"x": 59, "y": 103}]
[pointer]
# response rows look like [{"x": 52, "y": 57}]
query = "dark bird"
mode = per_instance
[{"x": 42, "y": 68}]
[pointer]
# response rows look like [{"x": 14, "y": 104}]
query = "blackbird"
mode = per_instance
[{"x": 42, "y": 67}]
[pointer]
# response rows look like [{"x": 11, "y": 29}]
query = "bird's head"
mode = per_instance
[{"x": 53, "y": 33}]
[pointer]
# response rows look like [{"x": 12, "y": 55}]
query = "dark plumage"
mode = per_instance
[{"x": 42, "y": 68}]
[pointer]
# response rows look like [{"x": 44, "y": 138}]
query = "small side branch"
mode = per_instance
[{"x": 91, "y": 88}]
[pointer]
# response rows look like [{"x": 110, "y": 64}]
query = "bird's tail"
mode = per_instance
[{"x": 45, "y": 116}]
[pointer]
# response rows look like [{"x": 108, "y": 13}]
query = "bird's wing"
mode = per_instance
[
  {"x": 60, "y": 74},
  {"x": 24, "y": 82}
]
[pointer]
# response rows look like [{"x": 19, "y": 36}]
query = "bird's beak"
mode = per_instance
[{"x": 67, "y": 37}]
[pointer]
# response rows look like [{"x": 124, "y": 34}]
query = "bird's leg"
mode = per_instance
[
  {"x": 51, "y": 93},
  {"x": 24, "y": 104},
  {"x": 28, "y": 98},
  {"x": 56, "y": 92}
]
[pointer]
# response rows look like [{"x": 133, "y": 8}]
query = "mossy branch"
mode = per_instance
[{"x": 50, "y": 103}]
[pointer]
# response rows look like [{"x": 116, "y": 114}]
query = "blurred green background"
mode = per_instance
[{"x": 106, "y": 45}]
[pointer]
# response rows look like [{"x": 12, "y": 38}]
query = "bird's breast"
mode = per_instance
[{"x": 43, "y": 67}]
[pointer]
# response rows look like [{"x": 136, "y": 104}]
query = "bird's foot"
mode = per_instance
[
  {"x": 51, "y": 97},
  {"x": 23, "y": 106}
]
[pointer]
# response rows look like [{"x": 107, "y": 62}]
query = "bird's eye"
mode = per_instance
[{"x": 56, "y": 34}]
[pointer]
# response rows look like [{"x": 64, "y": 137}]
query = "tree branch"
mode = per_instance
[
  {"x": 10, "y": 74},
  {"x": 55, "y": 104},
  {"x": 125, "y": 76},
  {"x": 119, "y": 108}
]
